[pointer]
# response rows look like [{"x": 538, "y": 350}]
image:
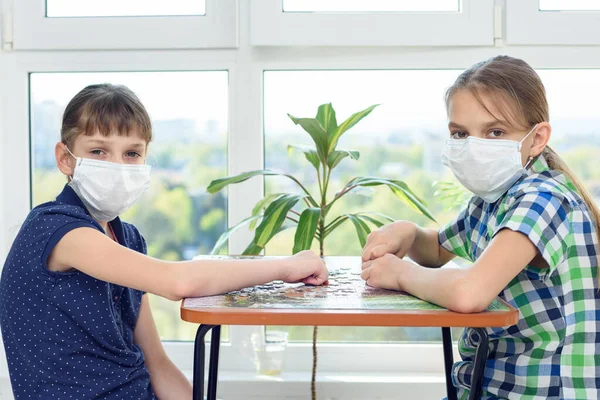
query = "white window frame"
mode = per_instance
[
  {"x": 246, "y": 66},
  {"x": 34, "y": 31},
  {"x": 472, "y": 26},
  {"x": 527, "y": 25}
]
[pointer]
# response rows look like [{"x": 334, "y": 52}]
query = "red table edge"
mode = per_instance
[{"x": 348, "y": 317}]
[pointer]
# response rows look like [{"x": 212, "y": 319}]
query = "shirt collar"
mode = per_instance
[
  {"x": 68, "y": 196},
  {"x": 539, "y": 165}
]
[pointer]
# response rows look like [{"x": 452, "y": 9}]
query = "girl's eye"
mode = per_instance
[
  {"x": 133, "y": 154},
  {"x": 495, "y": 134},
  {"x": 97, "y": 152},
  {"x": 459, "y": 135}
]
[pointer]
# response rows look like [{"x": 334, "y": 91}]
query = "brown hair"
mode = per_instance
[
  {"x": 522, "y": 102},
  {"x": 105, "y": 108}
]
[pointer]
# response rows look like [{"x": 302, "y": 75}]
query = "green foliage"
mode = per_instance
[
  {"x": 311, "y": 222},
  {"x": 452, "y": 195}
]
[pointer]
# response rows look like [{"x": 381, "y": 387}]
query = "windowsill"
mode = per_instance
[
  {"x": 330, "y": 385},
  {"x": 234, "y": 385}
]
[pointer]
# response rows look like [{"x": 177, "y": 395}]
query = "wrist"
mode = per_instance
[
  {"x": 281, "y": 268},
  {"x": 404, "y": 278}
]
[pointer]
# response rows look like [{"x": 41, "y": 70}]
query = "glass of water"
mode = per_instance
[{"x": 269, "y": 352}]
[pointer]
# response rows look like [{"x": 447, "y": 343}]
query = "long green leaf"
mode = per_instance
[
  {"x": 218, "y": 184},
  {"x": 227, "y": 234},
  {"x": 362, "y": 229},
  {"x": 347, "y": 124},
  {"x": 253, "y": 249},
  {"x": 307, "y": 227},
  {"x": 316, "y": 132},
  {"x": 326, "y": 117},
  {"x": 261, "y": 205},
  {"x": 273, "y": 219},
  {"x": 374, "y": 221},
  {"x": 310, "y": 154},
  {"x": 380, "y": 215},
  {"x": 336, "y": 156},
  {"x": 400, "y": 189}
]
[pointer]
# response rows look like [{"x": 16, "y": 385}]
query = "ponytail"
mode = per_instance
[{"x": 556, "y": 163}]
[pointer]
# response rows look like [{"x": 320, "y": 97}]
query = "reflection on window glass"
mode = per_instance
[
  {"x": 123, "y": 8},
  {"x": 402, "y": 139},
  {"x": 569, "y": 5},
  {"x": 369, "y": 5},
  {"x": 189, "y": 149}
]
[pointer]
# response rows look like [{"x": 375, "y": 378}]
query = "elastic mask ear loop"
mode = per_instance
[
  {"x": 530, "y": 159},
  {"x": 77, "y": 159}
]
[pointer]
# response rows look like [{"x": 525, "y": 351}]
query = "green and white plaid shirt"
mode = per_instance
[{"x": 553, "y": 352}]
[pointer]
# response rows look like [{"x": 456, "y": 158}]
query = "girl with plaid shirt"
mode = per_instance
[{"x": 531, "y": 231}]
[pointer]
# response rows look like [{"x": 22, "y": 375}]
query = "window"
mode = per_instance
[
  {"x": 124, "y": 25},
  {"x": 117, "y": 8},
  {"x": 402, "y": 139},
  {"x": 570, "y": 5},
  {"x": 369, "y": 6},
  {"x": 372, "y": 23},
  {"x": 552, "y": 22},
  {"x": 176, "y": 216}
]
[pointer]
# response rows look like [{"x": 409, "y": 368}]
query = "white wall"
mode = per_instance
[{"x": 4, "y": 383}]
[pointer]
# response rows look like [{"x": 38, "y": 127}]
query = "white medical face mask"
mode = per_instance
[
  {"x": 486, "y": 167},
  {"x": 108, "y": 189}
]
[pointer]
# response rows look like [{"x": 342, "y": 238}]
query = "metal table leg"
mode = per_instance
[
  {"x": 448, "y": 362},
  {"x": 481, "y": 356},
  {"x": 213, "y": 366}
]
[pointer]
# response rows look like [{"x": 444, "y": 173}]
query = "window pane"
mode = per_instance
[
  {"x": 370, "y": 5},
  {"x": 176, "y": 216},
  {"x": 569, "y": 5},
  {"x": 123, "y": 8},
  {"x": 402, "y": 139}
]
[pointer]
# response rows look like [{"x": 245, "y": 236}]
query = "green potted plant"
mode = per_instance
[{"x": 310, "y": 213}]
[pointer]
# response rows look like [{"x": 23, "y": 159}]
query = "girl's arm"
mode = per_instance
[
  {"x": 405, "y": 237},
  {"x": 426, "y": 250},
  {"x": 93, "y": 253},
  {"x": 167, "y": 381},
  {"x": 465, "y": 290}
]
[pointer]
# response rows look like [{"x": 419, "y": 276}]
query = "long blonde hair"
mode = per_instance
[{"x": 523, "y": 103}]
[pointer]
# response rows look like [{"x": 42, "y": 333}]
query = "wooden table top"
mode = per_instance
[{"x": 346, "y": 301}]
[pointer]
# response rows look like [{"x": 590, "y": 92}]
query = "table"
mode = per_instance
[{"x": 346, "y": 301}]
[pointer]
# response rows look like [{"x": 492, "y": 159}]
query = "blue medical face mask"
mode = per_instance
[
  {"x": 486, "y": 167},
  {"x": 108, "y": 189}
]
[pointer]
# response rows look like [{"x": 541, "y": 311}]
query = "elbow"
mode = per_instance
[
  {"x": 179, "y": 288},
  {"x": 468, "y": 301},
  {"x": 468, "y": 305},
  {"x": 176, "y": 285}
]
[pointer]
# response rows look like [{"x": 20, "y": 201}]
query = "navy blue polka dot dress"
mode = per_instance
[{"x": 68, "y": 335}]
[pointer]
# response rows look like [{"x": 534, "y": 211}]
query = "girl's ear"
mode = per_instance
[
  {"x": 64, "y": 161},
  {"x": 540, "y": 138}
]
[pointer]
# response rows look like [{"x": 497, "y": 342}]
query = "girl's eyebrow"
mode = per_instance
[
  {"x": 495, "y": 122},
  {"x": 454, "y": 125}
]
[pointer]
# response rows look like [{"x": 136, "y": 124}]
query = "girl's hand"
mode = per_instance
[
  {"x": 385, "y": 272},
  {"x": 307, "y": 267},
  {"x": 395, "y": 238}
]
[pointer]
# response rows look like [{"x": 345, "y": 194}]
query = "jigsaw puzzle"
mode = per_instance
[{"x": 346, "y": 290}]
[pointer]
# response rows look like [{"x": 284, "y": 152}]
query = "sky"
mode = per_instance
[{"x": 408, "y": 98}]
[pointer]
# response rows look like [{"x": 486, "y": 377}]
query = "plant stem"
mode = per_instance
[
  {"x": 313, "y": 382},
  {"x": 292, "y": 219},
  {"x": 310, "y": 198},
  {"x": 340, "y": 194}
]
